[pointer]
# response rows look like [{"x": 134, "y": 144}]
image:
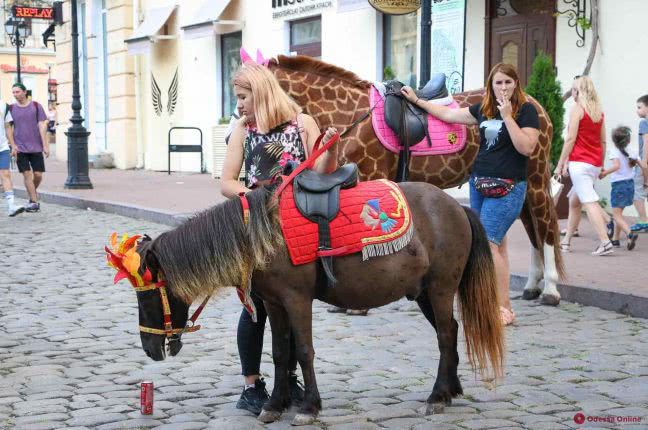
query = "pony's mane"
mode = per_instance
[
  {"x": 210, "y": 250},
  {"x": 303, "y": 63}
]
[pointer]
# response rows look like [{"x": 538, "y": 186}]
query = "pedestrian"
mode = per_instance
[
  {"x": 641, "y": 176},
  {"x": 271, "y": 132},
  {"x": 30, "y": 137},
  {"x": 51, "y": 121},
  {"x": 582, "y": 159},
  {"x": 622, "y": 180},
  {"x": 7, "y": 150},
  {"x": 509, "y": 131}
]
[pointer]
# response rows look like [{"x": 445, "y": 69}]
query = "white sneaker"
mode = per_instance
[
  {"x": 604, "y": 249},
  {"x": 16, "y": 210}
]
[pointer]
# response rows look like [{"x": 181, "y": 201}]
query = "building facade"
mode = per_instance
[
  {"x": 151, "y": 65},
  {"x": 37, "y": 62}
]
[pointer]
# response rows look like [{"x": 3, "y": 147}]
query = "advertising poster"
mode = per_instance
[{"x": 448, "y": 37}]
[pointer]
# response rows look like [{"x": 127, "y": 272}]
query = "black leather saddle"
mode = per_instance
[
  {"x": 409, "y": 122},
  {"x": 317, "y": 197}
]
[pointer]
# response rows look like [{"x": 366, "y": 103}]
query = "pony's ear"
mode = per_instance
[
  {"x": 260, "y": 59},
  {"x": 150, "y": 262},
  {"x": 245, "y": 57}
]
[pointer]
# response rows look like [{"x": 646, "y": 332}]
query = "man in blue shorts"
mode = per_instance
[
  {"x": 30, "y": 137},
  {"x": 6, "y": 149}
]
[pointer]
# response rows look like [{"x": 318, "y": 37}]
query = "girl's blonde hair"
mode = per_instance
[
  {"x": 587, "y": 98},
  {"x": 489, "y": 105},
  {"x": 272, "y": 106}
]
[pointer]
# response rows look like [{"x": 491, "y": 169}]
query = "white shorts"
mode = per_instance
[
  {"x": 640, "y": 193},
  {"x": 583, "y": 176}
]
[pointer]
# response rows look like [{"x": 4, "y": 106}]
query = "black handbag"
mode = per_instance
[{"x": 493, "y": 188}]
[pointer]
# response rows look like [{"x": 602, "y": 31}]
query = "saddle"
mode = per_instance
[
  {"x": 317, "y": 198},
  {"x": 408, "y": 121}
]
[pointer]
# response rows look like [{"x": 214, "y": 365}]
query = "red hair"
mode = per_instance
[{"x": 489, "y": 105}]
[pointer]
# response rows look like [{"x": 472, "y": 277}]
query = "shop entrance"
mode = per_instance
[{"x": 517, "y": 30}]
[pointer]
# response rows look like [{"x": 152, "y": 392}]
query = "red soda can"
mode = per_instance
[{"x": 146, "y": 398}]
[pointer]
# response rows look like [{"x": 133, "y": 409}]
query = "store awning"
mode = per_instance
[
  {"x": 147, "y": 32},
  {"x": 215, "y": 17}
]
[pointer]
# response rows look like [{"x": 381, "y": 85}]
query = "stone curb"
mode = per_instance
[
  {"x": 627, "y": 304},
  {"x": 132, "y": 211}
]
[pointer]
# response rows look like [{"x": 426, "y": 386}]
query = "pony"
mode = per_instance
[
  {"x": 338, "y": 98},
  {"x": 448, "y": 254}
]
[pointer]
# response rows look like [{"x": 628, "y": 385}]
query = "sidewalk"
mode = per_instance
[{"x": 617, "y": 282}]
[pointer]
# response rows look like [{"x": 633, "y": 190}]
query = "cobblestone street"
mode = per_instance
[{"x": 70, "y": 353}]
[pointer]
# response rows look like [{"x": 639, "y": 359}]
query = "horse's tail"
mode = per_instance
[{"x": 478, "y": 304}]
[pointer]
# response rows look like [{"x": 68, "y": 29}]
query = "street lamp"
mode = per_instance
[
  {"x": 77, "y": 134},
  {"x": 18, "y": 31}
]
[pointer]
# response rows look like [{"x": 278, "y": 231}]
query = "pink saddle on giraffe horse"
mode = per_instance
[{"x": 445, "y": 138}]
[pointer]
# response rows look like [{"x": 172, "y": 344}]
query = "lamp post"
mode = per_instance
[
  {"x": 426, "y": 42},
  {"x": 77, "y": 134},
  {"x": 18, "y": 32}
]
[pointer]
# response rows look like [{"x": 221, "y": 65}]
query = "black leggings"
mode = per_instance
[{"x": 250, "y": 340}]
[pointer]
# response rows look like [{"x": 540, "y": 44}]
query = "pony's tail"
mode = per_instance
[{"x": 478, "y": 303}]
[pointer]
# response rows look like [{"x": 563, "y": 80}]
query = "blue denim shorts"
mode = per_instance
[
  {"x": 5, "y": 159},
  {"x": 498, "y": 215},
  {"x": 622, "y": 193}
]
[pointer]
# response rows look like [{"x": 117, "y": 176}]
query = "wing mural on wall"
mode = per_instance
[
  {"x": 172, "y": 94},
  {"x": 156, "y": 95}
]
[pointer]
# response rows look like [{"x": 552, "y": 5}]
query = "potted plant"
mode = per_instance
[{"x": 545, "y": 88}]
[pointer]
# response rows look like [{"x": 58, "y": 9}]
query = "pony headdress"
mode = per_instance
[
  {"x": 124, "y": 258},
  {"x": 246, "y": 58}
]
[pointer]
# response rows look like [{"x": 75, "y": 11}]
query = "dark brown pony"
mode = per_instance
[
  {"x": 337, "y": 98},
  {"x": 447, "y": 255}
]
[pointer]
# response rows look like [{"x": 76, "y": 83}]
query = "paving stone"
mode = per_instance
[{"x": 370, "y": 374}]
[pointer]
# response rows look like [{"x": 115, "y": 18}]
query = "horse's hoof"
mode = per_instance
[
  {"x": 550, "y": 300},
  {"x": 531, "y": 294},
  {"x": 269, "y": 416},
  {"x": 303, "y": 420},
  {"x": 435, "y": 408}
]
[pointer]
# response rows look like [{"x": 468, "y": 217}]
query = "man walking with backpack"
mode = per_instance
[{"x": 31, "y": 143}]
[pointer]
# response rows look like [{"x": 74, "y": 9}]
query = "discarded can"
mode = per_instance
[{"x": 146, "y": 398}]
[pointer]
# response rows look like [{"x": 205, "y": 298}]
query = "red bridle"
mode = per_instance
[{"x": 168, "y": 329}]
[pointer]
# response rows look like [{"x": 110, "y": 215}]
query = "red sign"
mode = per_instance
[{"x": 33, "y": 12}]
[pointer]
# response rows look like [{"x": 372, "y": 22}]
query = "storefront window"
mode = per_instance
[
  {"x": 230, "y": 60},
  {"x": 400, "y": 55},
  {"x": 306, "y": 37}
]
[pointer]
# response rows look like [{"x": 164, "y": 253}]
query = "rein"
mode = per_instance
[{"x": 168, "y": 330}]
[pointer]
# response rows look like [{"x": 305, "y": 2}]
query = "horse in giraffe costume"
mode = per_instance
[{"x": 339, "y": 98}]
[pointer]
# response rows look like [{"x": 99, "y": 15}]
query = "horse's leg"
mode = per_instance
[
  {"x": 300, "y": 314},
  {"x": 440, "y": 307},
  {"x": 546, "y": 235},
  {"x": 447, "y": 384},
  {"x": 280, "y": 356},
  {"x": 532, "y": 288}
]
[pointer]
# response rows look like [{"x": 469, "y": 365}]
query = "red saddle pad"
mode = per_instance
[{"x": 374, "y": 219}]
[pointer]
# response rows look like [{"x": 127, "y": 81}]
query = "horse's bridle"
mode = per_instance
[{"x": 172, "y": 334}]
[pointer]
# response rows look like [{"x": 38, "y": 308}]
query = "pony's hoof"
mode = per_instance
[
  {"x": 531, "y": 294},
  {"x": 435, "y": 408},
  {"x": 550, "y": 300},
  {"x": 303, "y": 420},
  {"x": 269, "y": 416}
]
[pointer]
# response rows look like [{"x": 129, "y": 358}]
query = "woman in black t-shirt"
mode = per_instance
[{"x": 508, "y": 130}]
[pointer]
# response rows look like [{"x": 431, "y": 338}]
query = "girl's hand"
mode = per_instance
[
  {"x": 330, "y": 132},
  {"x": 603, "y": 174},
  {"x": 505, "y": 109},
  {"x": 409, "y": 93}
]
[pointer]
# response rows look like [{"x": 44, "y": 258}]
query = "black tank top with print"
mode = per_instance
[{"x": 266, "y": 155}]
